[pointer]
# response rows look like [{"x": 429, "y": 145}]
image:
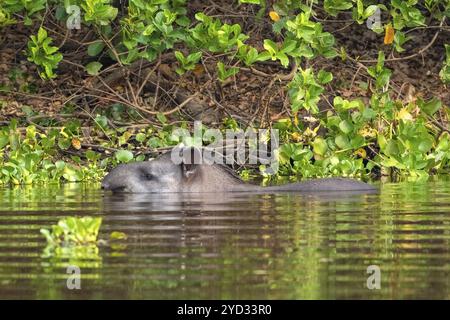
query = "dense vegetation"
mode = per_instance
[{"x": 348, "y": 100}]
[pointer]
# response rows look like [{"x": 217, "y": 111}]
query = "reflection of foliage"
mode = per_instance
[
  {"x": 282, "y": 246},
  {"x": 74, "y": 253},
  {"x": 73, "y": 240},
  {"x": 82, "y": 256},
  {"x": 20, "y": 197}
]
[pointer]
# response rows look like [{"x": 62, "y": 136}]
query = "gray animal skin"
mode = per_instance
[{"x": 161, "y": 175}]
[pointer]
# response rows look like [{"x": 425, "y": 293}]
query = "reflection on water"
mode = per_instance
[{"x": 236, "y": 246}]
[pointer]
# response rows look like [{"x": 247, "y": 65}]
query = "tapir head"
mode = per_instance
[{"x": 158, "y": 175}]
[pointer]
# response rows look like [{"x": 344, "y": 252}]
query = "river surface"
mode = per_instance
[{"x": 234, "y": 246}]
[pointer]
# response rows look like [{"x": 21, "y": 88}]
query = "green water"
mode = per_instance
[{"x": 235, "y": 246}]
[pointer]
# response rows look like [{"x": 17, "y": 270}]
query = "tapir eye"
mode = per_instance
[{"x": 148, "y": 176}]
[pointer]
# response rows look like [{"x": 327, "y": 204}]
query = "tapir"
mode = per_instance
[{"x": 163, "y": 175}]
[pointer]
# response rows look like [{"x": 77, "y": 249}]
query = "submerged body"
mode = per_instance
[{"x": 161, "y": 175}]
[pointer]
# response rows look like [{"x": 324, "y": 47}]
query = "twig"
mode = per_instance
[
  {"x": 410, "y": 56},
  {"x": 439, "y": 125},
  {"x": 181, "y": 105},
  {"x": 150, "y": 72},
  {"x": 96, "y": 146},
  {"x": 278, "y": 76}
]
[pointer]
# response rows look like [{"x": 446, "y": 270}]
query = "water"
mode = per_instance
[{"x": 234, "y": 246}]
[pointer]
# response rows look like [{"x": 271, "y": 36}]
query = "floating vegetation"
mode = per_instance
[{"x": 73, "y": 230}]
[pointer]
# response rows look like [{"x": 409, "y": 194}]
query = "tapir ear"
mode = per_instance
[{"x": 191, "y": 161}]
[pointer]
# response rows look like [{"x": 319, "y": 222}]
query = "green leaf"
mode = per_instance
[
  {"x": 342, "y": 141},
  {"x": 431, "y": 106},
  {"x": 60, "y": 165},
  {"x": 271, "y": 47},
  {"x": 425, "y": 145},
  {"x": 64, "y": 143},
  {"x": 444, "y": 74},
  {"x": 357, "y": 142},
  {"x": 324, "y": 76},
  {"x": 92, "y": 155},
  {"x": 263, "y": 56},
  {"x": 140, "y": 137},
  {"x": 95, "y": 48},
  {"x": 345, "y": 126},
  {"x": 444, "y": 142},
  {"x": 289, "y": 46},
  {"x": 180, "y": 57},
  {"x": 48, "y": 236},
  {"x": 140, "y": 157},
  {"x": 124, "y": 155},
  {"x": 391, "y": 148},
  {"x": 380, "y": 61},
  {"x": 162, "y": 118},
  {"x": 101, "y": 121},
  {"x": 360, "y": 7},
  {"x": 284, "y": 60},
  {"x": 370, "y": 10},
  {"x": 224, "y": 73},
  {"x": 383, "y": 77},
  {"x": 320, "y": 146},
  {"x": 382, "y": 142},
  {"x": 4, "y": 140},
  {"x": 194, "y": 57},
  {"x": 93, "y": 68},
  {"x": 369, "y": 113},
  {"x": 42, "y": 34}
]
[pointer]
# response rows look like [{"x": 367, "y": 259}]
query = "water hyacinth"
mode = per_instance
[{"x": 73, "y": 230}]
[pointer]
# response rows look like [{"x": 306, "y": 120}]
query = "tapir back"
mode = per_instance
[{"x": 326, "y": 184}]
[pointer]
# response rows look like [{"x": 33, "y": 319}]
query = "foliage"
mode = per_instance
[
  {"x": 30, "y": 156},
  {"x": 305, "y": 89},
  {"x": 152, "y": 27},
  {"x": 72, "y": 230},
  {"x": 224, "y": 73},
  {"x": 445, "y": 72},
  {"x": 43, "y": 54},
  {"x": 187, "y": 63},
  {"x": 349, "y": 137},
  {"x": 77, "y": 238},
  {"x": 33, "y": 158},
  {"x": 404, "y": 140}
]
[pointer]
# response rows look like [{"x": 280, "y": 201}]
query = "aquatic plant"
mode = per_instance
[
  {"x": 73, "y": 230},
  {"x": 31, "y": 156}
]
